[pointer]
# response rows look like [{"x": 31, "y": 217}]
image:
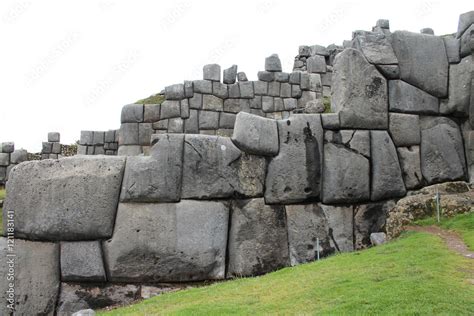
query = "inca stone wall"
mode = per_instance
[
  {"x": 98, "y": 143},
  {"x": 190, "y": 199},
  {"x": 9, "y": 158}
]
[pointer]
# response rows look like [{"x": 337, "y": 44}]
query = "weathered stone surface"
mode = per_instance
[
  {"x": 387, "y": 181},
  {"x": 469, "y": 146},
  {"x": 4, "y": 159},
  {"x": 175, "y": 92},
  {"x": 202, "y": 86},
  {"x": 442, "y": 152},
  {"x": 375, "y": 47},
  {"x": 294, "y": 175},
  {"x": 282, "y": 76},
  {"x": 220, "y": 90},
  {"x": 156, "y": 178},
  {"x": 341, "y": 228},
  {"x": 369, "y": 218},
  {"x": 465, "y": 21},
  {"x": 427, "y": 30},
  {"x": 54, "y": 137},
  {"x": 18, "y": 156},
  {"x": 212, "y": 72},
  {"x": 466, "y": 42},
  {"x": 273, "y": 63},
  {"x": 210, "y": 102},
  {"x": 77, "y": 200},
  {"x": 215, "y": 168},
  {"x": 307, "y": 224},
  {"x": 423, "y": 61},
  {"x": 405, "y": 129},
  {"x": 266, "y": 76},
  {"x": 86, "y": 137},
  {"x": 377, "y": 239},
  {"x": 227, "y": 120},
  {"x": 36, "y": 283},
  {"x": 7, "y": 147},
  {"x": 304, "y": 51},
  {"x": 170, "y": 109},
  {"x": 129, "y": 150},
  {"x": 389, "y": 71},
  {"x": 411, "y": 166},
  {"x": 406, "y": 98},
  {"x": 81, "y": 261},
  {"x": 128, "y": 134},
  {"x": 459, "y": 89},
  {"x": 359, "y": 92},
  {"x": 47, "y": 148},
  {"x": 230, "y": 75},
  {"x": 75, "y": 297},
  {"x": 356, "y": 140},
  {"x": 132, "y": 113},
  {"x": 258, "y": 241},
  {"x": 196, "y": 101},
  {"x": 84, "y": 312},
  {"x": 453, "y": 47},
  {"x": 176, "y": 242},
  {"x": 346, "y": 170},
  {"x": 241, "y": 76},
  {"x": 306, "y": 97},
  {"x": 256, "y": 135},
  {"x": 331, "y": 121},
  {"x": 316, "y": 64},
  {"x": 208, "y": 120},
  {"x": 246, "y": 89},
  {"x": 188, "y": 89}
]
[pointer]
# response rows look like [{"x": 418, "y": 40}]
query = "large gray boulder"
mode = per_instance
[
  {"x": 81, "y": 261},
  {"x": 386, "y": 181},
  {"x": 67, "y": 199},
  {"x": 469, "y": 145},
  {"x": 316, "y": 64},
  {"x": 258, "y": 241},
  {"x": 272, "y": 63},
  {"x": 294, "y": 175},
  {"x": 175, "y": 92},
  {"x": 359, "y": 92},
  {"x": 131, "y": 113},
  {"x": 341, "y": 227},
  {"x": 155, "y": 178},
  {"x": 442, "y": 151},
  {"x": 168, "y": 242},
  {"x": 307, "y": 225},
  {"x": 346, "y": 176},
  {"x": 405, "y": 129},
  {"x": 212, "y": 72},
  {"x": 411, "y": 166},
  {"x": 375, "y": 47},
  {"x": 465, "y": 21},
  {"x": 406, "y": 98},
  {"x": 36, "y": 281},
  {"x": 215, "y": 168},
  {"x": 459, "y": 88},
  {"x": 357, "y": 141},
  {"x": 255, "y": 134},
  {"x": 423, "y": 61},
  {"x": 230, "y": 75},
  {"x": 466, "y": 42}
]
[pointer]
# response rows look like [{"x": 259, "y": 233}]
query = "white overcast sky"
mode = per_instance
[{"x": 68, "y": 66}]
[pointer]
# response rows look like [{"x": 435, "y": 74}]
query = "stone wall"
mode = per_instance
[
  {"x": 9, "y": 158},
  {"x": 180, "y": 205},
  {"x": 98, "y": 143}
]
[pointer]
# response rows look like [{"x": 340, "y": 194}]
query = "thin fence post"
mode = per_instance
[
  {"x": 317, "y": 247},
  {"x": 437, "y": 204}
]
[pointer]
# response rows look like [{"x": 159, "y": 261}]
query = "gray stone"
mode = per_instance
[
  {"x": 376, "y": 48},
  {"x": 86, "y": 137},
  {"x": 241, "y": 76},
  {"x": 151, "y": 114},
  {"x": 316, "y": 64},
  {"x": 220, "y": 90},
  {"x": 156, "y": 178},
  {"x": 258, "y": 241},
  {"x": 36, "y": 277},
  {"x": 81, "y": 150},
  {"x": 208, "y": 120},
  {"x": 423, "y": 61},
  {"x": 54, "y": 137},
  {"x": 306, "y": 97},
  {"x": 273, "y": 63},
  {"x": 467, "y": 42},
  {"x": 234, "y": 91},
  {"x": 315, "y": 83},
  {"x": 314, "y": 106},
  {"x": 307, "y": 225},
  {"x": 341, "y": 228},
  {"x": 405, "y": 129},
  {"x": 282, "y": 76},
  {"x": 196, "y": 101},
  {"x": 256, "y": 102},
  {"x": 274, "y": 89},
  {"x": 304, "y": 51},
  {"x": 261, "y": 87},
  {"x": 227, "y": 120},
  {"x": 278, "y": 105},
  {"x": 184, "y": 104},
  {"x": 294, "y": 175},
  {"x": 132, "y": 113},
  {"x": 267, "y": 104},
  {"x": 4, "y": 159},
  {"x": 212, "y": 72},
  {"x": 465, "y": 21},
  {"x": 266, "y": 76},
  {"x": 81, "y": 261},
  {"x": 56, "y": 148},
  {"x": 176, "y": 125},
  {"x": 256, "y": 135},
  {"x": 453, "y": 47},
  {"x": 232, "y": 105},
  {"x": 319, "y": 50},
  {"x": 469, "y": 146},
  {"x": 368, "y": 219},
  {"x": 359, "y": 92},
  {"x": 176, "y": 242},
  {"x": 356, "y": 140},
  {"x": 191, "y": 125},
  {"x": 98, "y": 138},
  {"x": 246, "y": 89},
  {"x": 331, "y": 121},
  {"x": 411, "y": 166},
  {"x": 459, "y": 89},
  {"x": 215, "y": 168},
  {"x": 387, "y": 181},
  {"x": 230, "y": 74},
  {"x": 3, "y": 176},
  {"x": 289, "y": 104},
  {"x": 406, "y": 98},
  {"x": 389, "y": 71},
  {"x": 129, "y": 150},
  {"x": 84, "y": 312},
  {"x": 73, "y": 190},
  {"x": 326, "y": 79},
  {"x": 161, "y": 125},
  {"x": 346, "y": 170},
  {"x": 295, "y": 77},
  {"x": 383, "y": 23},
  {"x": 295, "y": 91},
  {"x": 377, "y": 239},
  {"x": 213, "y": 103},
  {"x": 128, "y": 134},
  {"x": 170, "y": 109},
  {"x": 110, "y": 135},
  {"x": 47, "y": 148},
  {"x": 76, "y": 297},
  {"x": 188, "y": 89},
  {"x": 442, "y": 152},
  {"x": 427, "y": 30},
  {"x": 175, "y": 92},
  {"x": 7, "y": 147},
  {"x": 304, "y": 81},
  {"x": 202, "y": 86}
]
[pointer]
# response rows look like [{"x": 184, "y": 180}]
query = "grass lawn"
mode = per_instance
[
  {"x": 463, "y": 224},
  {"x": 416, "y": 274},
  {"x": 2, "y": 197}
]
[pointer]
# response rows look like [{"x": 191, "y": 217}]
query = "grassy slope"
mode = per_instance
[
  {"x": 463, "y": 224},
  {"x": 2, "y": 197},
  {"x": 154, "y": 99},
  {"x": 414, "y": 275}
]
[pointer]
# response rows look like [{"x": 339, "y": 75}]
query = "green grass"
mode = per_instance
[
  {"x": 463, "y": 224},
  {"x": 154, "y": 99},
  {"x": 327, "y": 104},
  {"x": 414, "y": 275},
  {"x": 2, "y": 197}
]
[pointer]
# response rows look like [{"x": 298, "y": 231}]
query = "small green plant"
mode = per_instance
[
  {"x": 327, "y": 104},
  {"x": 153, "y": 99}
]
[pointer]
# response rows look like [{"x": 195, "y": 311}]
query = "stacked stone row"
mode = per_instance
[
  {"x": 52, "y": 148},
  {"x": 9, "y": 158},
  {"x": 209, "y": 106},
  {"x": 98, "y": 143}
]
